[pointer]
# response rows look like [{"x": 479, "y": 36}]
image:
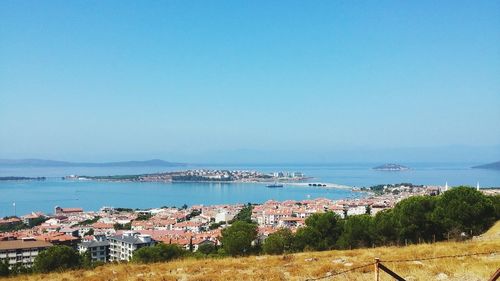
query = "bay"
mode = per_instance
[{"x": 90, "y": 195}]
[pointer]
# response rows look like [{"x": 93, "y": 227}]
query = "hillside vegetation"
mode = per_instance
[{"x": 302, "y": 266}]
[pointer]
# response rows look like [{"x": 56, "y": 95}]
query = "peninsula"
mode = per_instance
[
  {"x": 200, "y": 175},
  {"x": 22, "y": 178},
  {"x": 54, "y": 163},
  {"x": 490, "y": 166}
]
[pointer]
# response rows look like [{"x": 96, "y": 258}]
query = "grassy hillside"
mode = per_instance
[{"x": 315, "y": 264}]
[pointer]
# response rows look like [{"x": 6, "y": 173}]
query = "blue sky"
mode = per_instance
[{"x": 233, "y": 80}]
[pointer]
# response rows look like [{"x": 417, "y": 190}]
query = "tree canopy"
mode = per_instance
[
  {"x": 465, "y": 209},
  {"x": 57, "y": 258},
  {"x": 279, "y": 242},
  {"x": 357, "y": 231},
  {"x": 237, "y": 239},
  {"x": 321, "y": 232},
  {"x": 158, "y": 253}
]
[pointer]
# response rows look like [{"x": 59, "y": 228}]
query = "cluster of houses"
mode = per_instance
[
  {"x": 114, "y": 234},
  {"x": 200, "y": 175}
]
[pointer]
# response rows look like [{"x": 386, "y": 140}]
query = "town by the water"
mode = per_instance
[{"x": 113, "y": 234}]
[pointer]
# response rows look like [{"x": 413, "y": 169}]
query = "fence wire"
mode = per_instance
[
  {"x": 441, "y": 257},
  {"x": 340, "y": 272},
  {"x": 399, "y": 261}
]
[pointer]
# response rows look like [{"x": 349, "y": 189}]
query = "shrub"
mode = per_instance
[
  {"x": 278, "y": 242},
  {"x": 207, "y": 248},
  {"x": 57, "y": 258},
  {"x": 4, "y": 268},
  {"x": 158, "y": 253}
]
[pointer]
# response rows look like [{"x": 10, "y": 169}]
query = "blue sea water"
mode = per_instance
[{"x": 44, "y": 195}]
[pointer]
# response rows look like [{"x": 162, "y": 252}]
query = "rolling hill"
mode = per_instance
[
  {"x": 54, "y": 163},
  {"x": 310, "y": 265}
]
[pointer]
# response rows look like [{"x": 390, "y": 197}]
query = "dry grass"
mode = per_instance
[{"x": 314, "y": 264}]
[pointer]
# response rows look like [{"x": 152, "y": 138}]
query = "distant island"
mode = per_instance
[
  {"x": 202, "y": 175},
  {"x": 490, "y": 166},
  {"x": 54, "y": 163},
  {"x": 391, "y": 167},
  {"x": 22, "y": 179}
]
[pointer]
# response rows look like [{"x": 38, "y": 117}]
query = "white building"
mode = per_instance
[
  {"x": 99, "y": 249},
  {"x": 358, "y": 210},
  {"x": 223, "y": 217},
  {"x": 122, "y": 247}
]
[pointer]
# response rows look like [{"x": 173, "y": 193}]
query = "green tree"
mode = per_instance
[
  {"x": 384, "y": 228},
  {"x": 279, "y": 242},
  {"x": 86, "y": 260},
  {"x": 89, "y": 221},
  {"x": 495, "y": 200},
  {"x": 118, "y": 226},
  {"x": 306, "y": 239},
  {"x": 328, "y": 228},
  {"x": 464, "y": 209},
  {"x": 357, "y": 232},
  {"x": 37, "y": 221},
  {"x": 143, "y": 217},
  {"x": 237, "y": 239},
  {"x": 215, "y": 225},
  {"x": 4, "y": 268},
  {"x": 90, "y": 232},
  {"x": 413, "y": 218},
  {"x": 57, "y": 258},
  {"x": 244, "y": 214},
  {"x": 19, "y": 268},
  {"x": 320, "y": 233},
  {"x": 207, "y": 248},
  {"x": 12, "y": 226},
  {"x": 158, "y": 253}
]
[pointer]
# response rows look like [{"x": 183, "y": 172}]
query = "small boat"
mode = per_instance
[{"x": 274, "y": 185}]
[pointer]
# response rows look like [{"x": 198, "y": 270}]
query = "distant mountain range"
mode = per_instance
[
  {"x": 491, "y": 166},
  {"x": 54, "y": 163}
]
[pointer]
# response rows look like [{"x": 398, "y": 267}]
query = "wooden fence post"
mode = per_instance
[
  {"x": 377, "y": 275},
  {"x": 390, "y": 272},
  {"x": 495, "y": 276}
]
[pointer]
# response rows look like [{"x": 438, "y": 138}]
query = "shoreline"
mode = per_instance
[{"x": 326, "y": 185}]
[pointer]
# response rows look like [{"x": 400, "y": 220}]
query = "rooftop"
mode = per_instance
[{"x": 22, "y": 244}]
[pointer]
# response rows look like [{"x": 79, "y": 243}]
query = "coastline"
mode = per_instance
[
  {"x": 299, "y": 183},
  {"x": 289, "y": 183}
]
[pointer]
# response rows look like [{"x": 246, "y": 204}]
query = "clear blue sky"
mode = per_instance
[{"x": 195, "y": 80}]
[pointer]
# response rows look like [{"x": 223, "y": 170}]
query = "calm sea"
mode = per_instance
[{"x": 44, "y": 195}]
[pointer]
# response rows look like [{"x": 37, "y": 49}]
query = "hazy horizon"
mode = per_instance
[
  {"x": 274, "y": 82},
  {"x": 452, "y": 154}
]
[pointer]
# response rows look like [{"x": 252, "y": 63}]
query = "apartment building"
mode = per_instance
[
  {"x": 21, "y": 251},
  {"x": 122, "y": 247},
  {"x": 98, "y": 248}
]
